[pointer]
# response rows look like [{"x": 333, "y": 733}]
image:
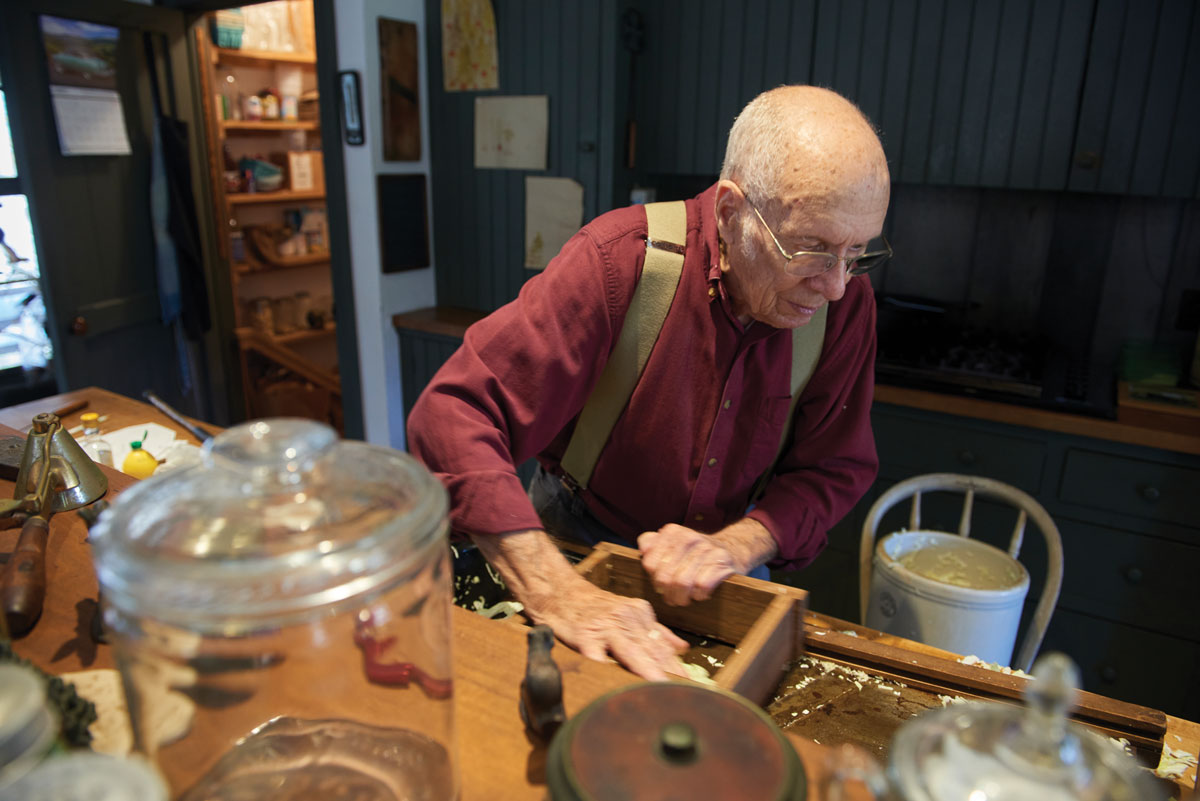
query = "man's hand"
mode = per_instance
[
  {"x": 598, "y": 623},
  {"x": 594, "y": 622},
  {"x": 687, "y": 565}
]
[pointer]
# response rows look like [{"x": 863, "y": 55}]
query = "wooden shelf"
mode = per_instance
[
  {"x": 280, "y": 196},
  {"x": 269, "y": 126},
  {"x": 224, "y": 55},
  {"x": 246, "y": 336},
  {"x": 244, "y": 268}
]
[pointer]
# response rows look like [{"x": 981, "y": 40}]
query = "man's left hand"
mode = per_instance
[{"x": 687, "y": 565}]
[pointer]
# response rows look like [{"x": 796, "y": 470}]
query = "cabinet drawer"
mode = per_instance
[
  {"x": 1146, "y": 489},
  {"x": 912, "y": 447},
  {"x": 1127, "y": 663},
  {"x": 1143, "y": 581}
]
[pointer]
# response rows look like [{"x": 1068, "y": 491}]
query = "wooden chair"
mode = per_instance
[{"x": 1026, "y": 509}]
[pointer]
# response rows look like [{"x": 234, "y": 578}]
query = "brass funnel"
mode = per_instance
[{"x": 50, "y": 450}]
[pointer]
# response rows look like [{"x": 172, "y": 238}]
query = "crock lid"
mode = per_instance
[
  {"x": 278, "y": 519},
  {"x": 672, "y": 740}
]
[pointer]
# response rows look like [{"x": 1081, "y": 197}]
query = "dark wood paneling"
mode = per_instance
[
  {"x": 1137, "y": 119},
  {"x": 1182, "y": 163},
  {"x": 545, "y": 47},
  {"x": 421, "y": 355},
  {"x": 1163, "y": 99}
]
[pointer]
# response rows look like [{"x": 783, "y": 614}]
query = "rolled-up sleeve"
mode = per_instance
[{"x": 520, "y": 376}]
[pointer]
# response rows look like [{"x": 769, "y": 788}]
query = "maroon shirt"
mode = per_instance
[{"x": 704, "y": 421}]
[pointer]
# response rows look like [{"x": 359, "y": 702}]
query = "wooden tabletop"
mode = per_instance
[
  {"x": 116, "y": 412},
  {"x": 497, "y": 760}
]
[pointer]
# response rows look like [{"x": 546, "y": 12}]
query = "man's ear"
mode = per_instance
[{"x": 728, "y": 203}]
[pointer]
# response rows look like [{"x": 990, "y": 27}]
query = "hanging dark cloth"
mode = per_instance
[{"x": 183, "y": 291}]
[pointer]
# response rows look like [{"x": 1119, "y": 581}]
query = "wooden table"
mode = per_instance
[{"x": 497, "y": 761}]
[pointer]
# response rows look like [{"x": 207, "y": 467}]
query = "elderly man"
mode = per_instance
[{"x": 795, "y": 217}]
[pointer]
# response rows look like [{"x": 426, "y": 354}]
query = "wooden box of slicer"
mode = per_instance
[{"x": 763, "y": 621}]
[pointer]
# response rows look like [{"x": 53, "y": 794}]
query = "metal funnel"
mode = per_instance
[{"x": 76, "y": 480}]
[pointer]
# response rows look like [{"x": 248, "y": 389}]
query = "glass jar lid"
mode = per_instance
[
  {"x": 979, "y": 751},
  {"x": 278, "y": 519}
]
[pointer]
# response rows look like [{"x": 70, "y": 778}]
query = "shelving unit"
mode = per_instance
[
  {"x": 280, "y": 196},
  {"x": 286, "y": 367},
  {"x": 268, "y": 126}
]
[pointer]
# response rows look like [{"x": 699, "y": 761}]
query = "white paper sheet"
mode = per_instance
[
  {"x": 553, "y": 213},
  {"x": 90, "y": 121},
  {"x": 510, "y": 132}
]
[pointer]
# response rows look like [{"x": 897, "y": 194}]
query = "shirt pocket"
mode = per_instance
[{"x": 764, "y": 440}]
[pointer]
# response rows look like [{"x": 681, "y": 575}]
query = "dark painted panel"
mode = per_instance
[
  {"x": 1182, "y": 178},
  {"x": 802, "y": 41},
  {"x": 546, "y": 48},
  {"x": 1006, "y": 87},
  {"x": 875, "y": 40},
  {"x": 893, "y": 119},
  {"x": 777, "y": 45},
  {"x": 922, "y": 90},
  {"x": 1030, "y": 132},
  {"x": 1104, "y": 56},
  {"x": 949, "y": 81},
  {"x": 690, "y": 85},
  {"x": 751, "y": 82},
  {"x": 1165, "y": 102},
  {"x": 1127, "y": 114},
  {"x": 1066, "y": 87}
]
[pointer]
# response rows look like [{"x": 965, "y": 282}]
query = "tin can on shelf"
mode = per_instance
[{"x": 280, "y": 614}]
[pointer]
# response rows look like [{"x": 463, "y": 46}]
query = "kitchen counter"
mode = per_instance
[{"x": 497, "y": 761}]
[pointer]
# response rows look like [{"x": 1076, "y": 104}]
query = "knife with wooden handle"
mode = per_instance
[{"x": 23, "y": 583}]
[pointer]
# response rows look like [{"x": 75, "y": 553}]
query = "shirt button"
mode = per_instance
[
  {"x": 699, "y": 517},
  {"x": 712, "y": 291},
  {"x": 712, "y": 462},
  {"x": 727, "y": 403}
]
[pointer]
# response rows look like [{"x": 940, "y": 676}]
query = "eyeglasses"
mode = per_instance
[{"x": 809, "y": 263}]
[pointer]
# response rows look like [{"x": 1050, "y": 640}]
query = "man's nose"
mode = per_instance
[{"x": 832, "y": 282}]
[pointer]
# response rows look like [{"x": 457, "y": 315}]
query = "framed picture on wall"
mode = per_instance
[
  {"x": 403, "y": 222},
  {"x": 400, "y": 117}
]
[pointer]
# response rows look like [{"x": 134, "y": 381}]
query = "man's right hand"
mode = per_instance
[{"x": 596, "y": 623}]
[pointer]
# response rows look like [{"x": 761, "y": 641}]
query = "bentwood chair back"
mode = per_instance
[{"x": 1025, "y": 509}]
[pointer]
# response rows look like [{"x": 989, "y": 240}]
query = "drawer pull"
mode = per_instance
[
  {"x": 1133, "y": 575},
  {"x": 966, "y": 457},
  {"x": 1109, "y": 674},
  {"x": 1150, "y": 493}
]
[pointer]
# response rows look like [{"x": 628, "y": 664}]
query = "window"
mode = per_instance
[{"x": 23, "y": 339}]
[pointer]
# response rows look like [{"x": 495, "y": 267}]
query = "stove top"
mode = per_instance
[{"x": 928, "y": 346}]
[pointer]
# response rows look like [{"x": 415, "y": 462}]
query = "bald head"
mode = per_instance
[{"x": 808, "y": 144}]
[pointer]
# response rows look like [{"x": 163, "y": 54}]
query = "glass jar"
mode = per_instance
[
  {"x": 280, "y": 614},
  {"x": 1001, "y": 752}
]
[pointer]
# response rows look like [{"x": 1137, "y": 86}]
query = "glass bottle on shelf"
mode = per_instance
[
  {"x": 230, "y": 96},
  {"x": 95, "y": 446}
]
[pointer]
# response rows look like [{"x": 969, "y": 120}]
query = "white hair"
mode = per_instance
[{"x": 761, "y": 134}]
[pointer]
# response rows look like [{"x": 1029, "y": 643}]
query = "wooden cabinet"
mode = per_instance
[
  {"x": 1129, "y": 518},
  {"x": 1138, "y": 115},
  {"x": 261, "y": 119},
  {"x": 1087, "y": 95}
]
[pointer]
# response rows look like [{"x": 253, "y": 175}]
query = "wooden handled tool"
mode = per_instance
[{"x": 23, "y": 583}]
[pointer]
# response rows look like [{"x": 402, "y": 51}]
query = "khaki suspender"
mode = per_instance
[{"x": 665, "y": 243}]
